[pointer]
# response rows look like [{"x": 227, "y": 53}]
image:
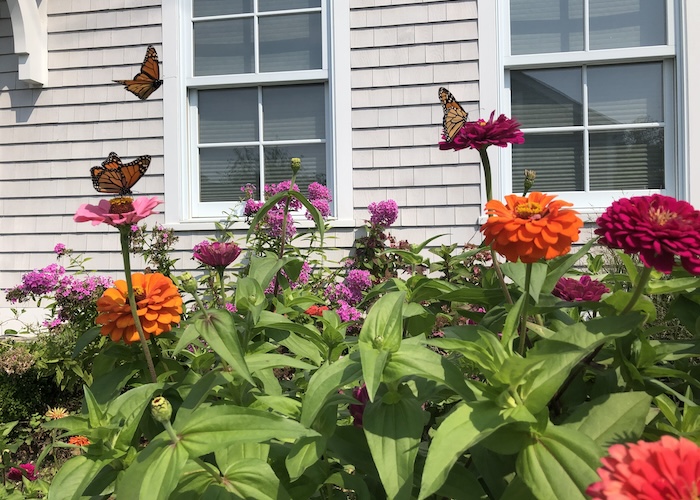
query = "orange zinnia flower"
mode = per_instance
[
  {"x": 79, "y": 440},
  {"x": 158, "y": 304},
  {"x": 531, "y": 227}
]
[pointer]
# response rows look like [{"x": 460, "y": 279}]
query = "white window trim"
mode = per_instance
[
  {"x": 176, "y": 147},
  {"x": 495, "y": 94}
]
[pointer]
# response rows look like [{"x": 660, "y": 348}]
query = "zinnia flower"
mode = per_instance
[
  {"x": 79, "y": 440},
  {"x": 481, "y": 134},
  {"x": 158, "y": 304},
  {"x": 358, "y": 410},
  {"x": 117, "y": 211},
  {"x": 56, "y": 413},
  {"x": 315, "y": 310},
  {"x": 657, "y": 227},
  {"x": 585, "y": 289},
  {"x": 218, "y": 254},
  {"x": 668, "y": 469},
  {"x": 16, "y": 474},
  {"x": 531, "y": 227}
]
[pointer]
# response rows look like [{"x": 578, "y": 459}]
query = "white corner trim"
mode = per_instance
[{"x": 30, "y": 39}]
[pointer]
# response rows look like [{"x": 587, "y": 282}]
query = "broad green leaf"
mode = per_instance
[
  {"x": 611, "y": 418},
  {"x": 254, "y": 478},
  {"x": 304, "y": 453},
  {"x": 510, "y": 328},
  {"x": 126, "y": 411},
  {"x": 464, "y": 426},
  {"x": 227, "y": 457},
  {"x": 561, "y": 463},
  {"x": 277, "y": 321},
  {"x": 74, "y": 476},
  {"x": 326, "y": 382},
  {"x": 263, "y": 269},
  {"x": 211, "y": 428},
  {"x": 281, "y": 404},
  {"x": 517, "y": 272},
  {"x": 155, "y": 472},
  {"x": 351, "y": 482},
  {"x": 218, "y": 329},
  {"x": 199, "y": 393},
  {"x": 96, "y": 412},
  {"x": 669, "y": 408},
  {"x": 673, "y": 285},
  {"x": 249, "y": 296},
  {"x": 619, "y": 299},
  {"x": 260, "y": 361},
  {"x": 560, "y": 266},
  {"x": 187, "y": 336},
  {"x": 85, "y": 339},
  {"x": 373, "y": 363},
  {"x": 474, "y": 295},
  {"x": 393, "y": 427},
  {"x": 108, "y": 386}
]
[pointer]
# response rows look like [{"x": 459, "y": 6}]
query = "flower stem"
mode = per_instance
[
  {"x": 220, "y": 272},
  {"x": 124, "y": 239},
  {"x": 639, "y": 287},
  {"x": 523, "y": 316},
  {"x": 283, "y": 236}
]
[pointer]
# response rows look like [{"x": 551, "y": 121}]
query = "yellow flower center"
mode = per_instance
[
  {"x": 529, "y": 210},
  {"x": 661, "y": 216},
  {"x": 121, "y": 205},
  {"x": 139, "y": 293}
]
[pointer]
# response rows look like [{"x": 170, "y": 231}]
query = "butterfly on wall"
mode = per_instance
[
  {"x": 116, "y": 177},
  {"x": 454, "y": 115},
  {"x": 147, "y": 80}
]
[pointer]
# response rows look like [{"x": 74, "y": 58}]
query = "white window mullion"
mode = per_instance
[{"x": 586, "y": 136}]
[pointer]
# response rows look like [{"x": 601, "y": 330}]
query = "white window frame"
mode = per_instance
[
  {"x": 495, "y": 62},
  {"x": 179, "y": 149}
]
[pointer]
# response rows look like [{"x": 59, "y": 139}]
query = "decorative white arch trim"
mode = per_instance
[{"x": 30, "y": 37}]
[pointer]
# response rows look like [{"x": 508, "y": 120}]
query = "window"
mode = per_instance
[
  {"x": 258, "y": 87},
  {"x": 593, "y": 83}
]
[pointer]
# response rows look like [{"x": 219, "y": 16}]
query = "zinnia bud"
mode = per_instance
[
  {"x": 296, "y": 165},
  {"x": 188, "y": 283},
  {"x": 161, "y": 410},
  {"x": 529, "y": 180}
]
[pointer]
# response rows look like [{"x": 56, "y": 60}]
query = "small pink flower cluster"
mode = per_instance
[
  {"x": 349, "y": 293},
  {"x": 303, "y": 279},
  {"x": 383, "y": 213}
]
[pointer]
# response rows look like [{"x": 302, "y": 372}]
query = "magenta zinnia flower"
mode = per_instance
[
  {"x": 117, "y": 211},
  {"x": 585, "y": 289},
  {"x": 481, "y": 134},
  {"x": 16, "y": 474},
  {"x": 657, "y": 227},
  {"x": 218, "y": 254},
  {"x": 668, "y": 469},
  {"x": 358, "y": 410}
]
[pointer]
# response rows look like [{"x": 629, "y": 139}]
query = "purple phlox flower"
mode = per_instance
[
  {"x": 51, "y": 324},
  {"x": 357, "y": 281},
  {"x": 249, "y": 190},
  {"x": 274, "y": 220},
  {"x": 303, "y": 279},
  {"x": 322, "y": 206},
  {"x": 15, "y": 474},
  {"x": 383, "y": 213},
  {"x": 358, "y": 410},
  {"x": 346, "y": 312},
  {"x": 59, "y": 249},
  {"x": 481, "y": 134},
  {"x": 585, "y": 289},
  {"x": 336, "y": 292},
  {"x": 42, "y": 281},
  {"x": 273, "y": 189},
  {"x": 230, "y": 307},
  {"x": 134, "y": 228},
  {"x": 251, "y": 207},
  {"x": 319, "y": 192},
  {"x": 218, "y": 254}
]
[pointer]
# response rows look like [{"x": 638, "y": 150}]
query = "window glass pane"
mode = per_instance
[
  {"x": 290, "y": 42},
  {"x": 628, "y": 93},
  {"x": 557, "y": 159},
  {"x": 294, "y": 112},
  {"x": 627, "y": 159},
  {"x": 541, "y": 26},
  {"x": 201, "y": 8},
  {"x": 224, "y": 170},
  {"x": 313, "y": 164},
  {"x": 223, "y": 47},
  {"x": 268, "y": 5},
  {"x": 627, "y": 23},
  {"x": 228, "y": 115},
  {"x": 547, "y": 97}
]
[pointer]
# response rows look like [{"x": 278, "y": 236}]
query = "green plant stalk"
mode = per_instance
[
  {"x": 124, "y": 239},
  {"x": 639, "y": 288},
  {"x": 220, "y": 271},
  {"x": 283, "y": 236},
  {"x": 523, "y": 316}
]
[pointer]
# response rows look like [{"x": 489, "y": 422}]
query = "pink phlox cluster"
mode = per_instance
[
  {"x": 272, "y": 189},
  {"x": 36, "y": 283},
  {"x": 303, "y": 279},
  {"x": 251, "y": 207},
  {"x": 320, "y": 197},
  {"x": 275, "y": 218},
  {"x": 60, "y": 249},
  {"x": 383, "y": 213},
  {"x": 346, "y": 312}
]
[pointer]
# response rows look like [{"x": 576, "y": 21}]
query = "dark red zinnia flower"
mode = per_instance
[
  {"x": 357, "y": 410},
  {"x": 482, "y": 133},
  {"x": 585, "y": 289},
  {"x": 656, "y": 227},
  {"x": 217, "y": 254},
  {"x": 27, "y": 470}
]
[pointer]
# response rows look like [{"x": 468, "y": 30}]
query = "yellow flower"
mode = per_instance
[{"x": 56, "y": 413}]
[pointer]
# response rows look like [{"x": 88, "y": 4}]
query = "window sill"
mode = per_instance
[{"x": 208, "y": 224}]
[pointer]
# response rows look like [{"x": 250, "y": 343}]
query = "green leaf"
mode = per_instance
[
  {"x": 304, "y": 454},
  {"x": 352, "y": 482},
  {"x": 674, "y": 285},
  {"x": 517, "y": 270},
  {"x": 96, "y": 412},
  {"x": 155, "y": 472},
  {"x": 227, "y": 457},
  {"x": 611, "y": 418},
  {"x": 560, "y": 266},
  {"x": 126, "y": 412},
  {"x": 218, "y": 329},
  {"x": 254, "y": 478},
  {"x": 198, "y": 394},
  {"x": 263, "y": 269},
  {"x": 393, "y": 427},
  {"x": 74, "y": 476},
  {"x": 561, "y": 463},
  {"x": 373, "y": 363},
  {"x": 187, "y": 336},
  {"x": 250, "y": 296},
  {"x": 85, "y": 339},
  {"x": 261, "y": 361},
  {"x": 211, "y": 428}
]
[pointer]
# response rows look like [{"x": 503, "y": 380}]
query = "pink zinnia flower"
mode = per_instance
[
  {"x": 117, "y": 211},
  {"x": 585, "y": 289},
  {"x": 358, "y": 410},
  {"x": 16, "y": 474},
  {"x": 668, "y": 469},
  {"x": 481, "y": 134},
  {"x": 657, "y": 227},
  {"x": 217, "y": 254}
]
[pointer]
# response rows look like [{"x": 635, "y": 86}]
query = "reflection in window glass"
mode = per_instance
[
  {"x": 313, "y": 164},
  {"x": 202, "y": 8},
  {"x": 228, "y": 115},
  {"x": 286, "y": 119},
  {"x": 547, "y": 97},
  {"x": 290, "y": 42},
  {"x": 541, "y": 26},
  {"x": 223, "y": 47},
  {"x": 268, "y": 5},
  {"x": 224, "y": 170},
  {"x": 557, "y": 159},
  {"x": 629, "y": 93},
  {"x": 627, "y": 23},
  {"x": 627, "y": 159}
]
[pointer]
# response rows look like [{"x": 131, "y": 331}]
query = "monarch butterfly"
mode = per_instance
[
  {"x": 454, "y": 115},
  {"x": 116, "y": 177},
  {"x": 147, "y": 80}
]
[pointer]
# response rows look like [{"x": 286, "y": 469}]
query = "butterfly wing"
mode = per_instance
[
  {"x": 454, "y": 115},
  {"x": 147, "y": 80},
  {"x": 115, "y": 177}
]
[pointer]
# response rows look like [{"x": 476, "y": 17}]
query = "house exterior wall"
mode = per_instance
[{"x": 401, "y": 52}]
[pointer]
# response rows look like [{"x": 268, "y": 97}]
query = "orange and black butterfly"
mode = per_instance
[
  {"x": 148, "y": 79},
  {"x": 116, "y": 177},
  {"x": 454, "y": 115}
]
